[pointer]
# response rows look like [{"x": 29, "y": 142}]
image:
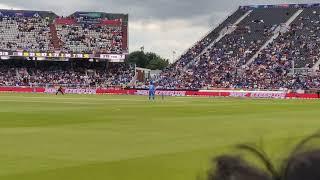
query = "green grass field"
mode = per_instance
[{"x": 46, "y": 137}]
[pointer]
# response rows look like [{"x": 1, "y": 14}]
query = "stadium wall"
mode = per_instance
[{"x": 216, "y": 93}]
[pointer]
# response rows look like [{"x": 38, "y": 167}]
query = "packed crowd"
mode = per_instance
[
  {"x": 20, "y": 33},
  {"x": 35, "y": 34},
  {"x": 48, "y": 74},
  {"x": 298, "y": 47},
  {"x": 90, "y": 38},
  {"x": 227, "y": 63},
  {"x": 217, "y": 65},
  {"x": 224, "y": 64}
]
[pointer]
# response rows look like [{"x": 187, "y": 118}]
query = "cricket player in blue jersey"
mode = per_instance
[{"x": 152, "y": 91}]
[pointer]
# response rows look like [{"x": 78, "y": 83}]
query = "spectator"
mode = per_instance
[{"x": 51, "y": 74}]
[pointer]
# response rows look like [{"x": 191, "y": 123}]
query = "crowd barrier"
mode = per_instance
[
  {"x": 204, "y": 93},
  {"x": 22, "y": 89}
]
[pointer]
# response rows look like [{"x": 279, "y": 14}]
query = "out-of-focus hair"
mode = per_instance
[
  {"x": 235, "y": 168},
  {"x": 302, "y": 163}
]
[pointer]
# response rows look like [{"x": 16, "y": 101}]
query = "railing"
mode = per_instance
[{"x": 50, "y": 85}]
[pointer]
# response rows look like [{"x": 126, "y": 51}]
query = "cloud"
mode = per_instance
[
  {"x": 5, "y": 6},
  {"x": 164, "y": 37},
  {"x": 161, "y": 26}
]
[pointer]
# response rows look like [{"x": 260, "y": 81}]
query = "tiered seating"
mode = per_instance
[
  {"x": 218, "y": 66},
  {"x": 305, "y": 34},
  {"x": 299, "y": 46},
  {"x": 19, "y": 33},
  {"x": 7, "y": 76},
  {"x": 67, "y": 74},
  {"x": 207, "y": 40},
  {"x": 303, "y": 38},
  {"x": 253, "y": 32},
  {"x": 175, "y": 76},
  {"x": 222, "y": 66},
  {"x": 44, "y": 32},
  {"x": 90, "y": 38},
  {"x": 40, "y": 31}
]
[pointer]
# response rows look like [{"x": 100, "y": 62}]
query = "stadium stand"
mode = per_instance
[
  {"x": 257, "y": 52},
  {"x": 81, "y": 32},
  {"x": 73, "y": 73},
  {"x": 79, "y": 38},
  {"x": 268, "y": 47},
  {"x": 34, "y": 35},
  {"x": 20, "y": 33}
]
